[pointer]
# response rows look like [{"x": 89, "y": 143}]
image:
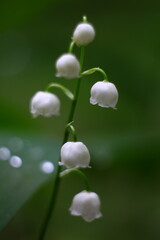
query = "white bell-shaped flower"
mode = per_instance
[
  {"x": 67, "y": 66},
  {"x": 104, "y": 94},
  {"x": 87, "y": 205},
  {"x": 75, "y": 155},
  {"x": 45, "y": 104},
  {"x": 83, "y": 34}
]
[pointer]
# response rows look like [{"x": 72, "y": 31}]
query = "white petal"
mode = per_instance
[
  {"x": 87, "y": 205},
  {"x": 45, "y": 104},
  {"x": 83, "y": 34},
  {"x": 75, "y": 154},
  {"x": 104, "y": 94},
  {"x": 67, "y": 66}
]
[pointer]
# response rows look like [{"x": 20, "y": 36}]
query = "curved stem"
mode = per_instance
[
  {"x": 70, "y": 127},
  {"x": 93, "y": 70},
  {"x": 65, "y": 90},
  {"x": 71, "y": 47},
  {"x": 79, "y": 172},
  {"x": 65, "y": 138}
]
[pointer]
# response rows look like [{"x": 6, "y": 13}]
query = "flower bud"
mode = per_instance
[
  {"x": 45, "y": 104},
  {"x": 75, "y": 155},
  {"x": 83, "y": 34},
  {"x": 104, "y": 94},
  {"x": 87, "y": 205},
  {"x": 67, "y": 66}
]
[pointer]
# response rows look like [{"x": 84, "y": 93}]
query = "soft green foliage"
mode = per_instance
[{"x": 18, "y": 185}]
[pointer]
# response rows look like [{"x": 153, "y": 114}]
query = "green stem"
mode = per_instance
[
  {"x": 65, "y": 90},
  {"x": 65, "y": 138},
  {"x": 70, "y": 127},
  {"x": 71, "y": 47},
  {"x": 80, "y": 173},
  {"x": 92, "y": 70}
]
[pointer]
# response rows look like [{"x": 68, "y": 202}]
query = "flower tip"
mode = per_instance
[
  {"x": 60, "y": 163},
  {"x": 93, "y": 101}
]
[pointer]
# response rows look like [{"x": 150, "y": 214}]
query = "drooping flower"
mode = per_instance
[
  {"x": 75, "y": 154},
  {"x": 83, "y": 34},
  {"x": 104, "y": 94},
  {"x": 87, "y": 205},
  {"x": 45, "y": 104},
  {"x": 67, "y": 66}
]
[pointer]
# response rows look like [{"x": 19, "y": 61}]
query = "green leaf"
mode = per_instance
[{"x": 18, "y": 184}]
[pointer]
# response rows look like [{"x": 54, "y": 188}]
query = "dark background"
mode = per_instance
[{"x": 124, "y": 143}]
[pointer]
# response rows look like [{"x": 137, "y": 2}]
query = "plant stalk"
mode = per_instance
[{"x": 65, "y": 138}]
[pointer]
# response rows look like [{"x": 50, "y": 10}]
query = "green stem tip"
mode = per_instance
[{"x": 85, "y": 19}]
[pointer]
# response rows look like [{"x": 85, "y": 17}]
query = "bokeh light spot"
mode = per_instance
[
  {"x": 4, "y": 153},
  {"x": 15, "y": 161},
  {"x": 47, "y": 167}
]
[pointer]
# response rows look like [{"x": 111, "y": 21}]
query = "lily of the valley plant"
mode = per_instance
[{"x": 74, "y": 155}]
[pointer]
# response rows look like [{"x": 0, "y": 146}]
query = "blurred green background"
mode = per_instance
[{"x": 124, "y": 144}]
